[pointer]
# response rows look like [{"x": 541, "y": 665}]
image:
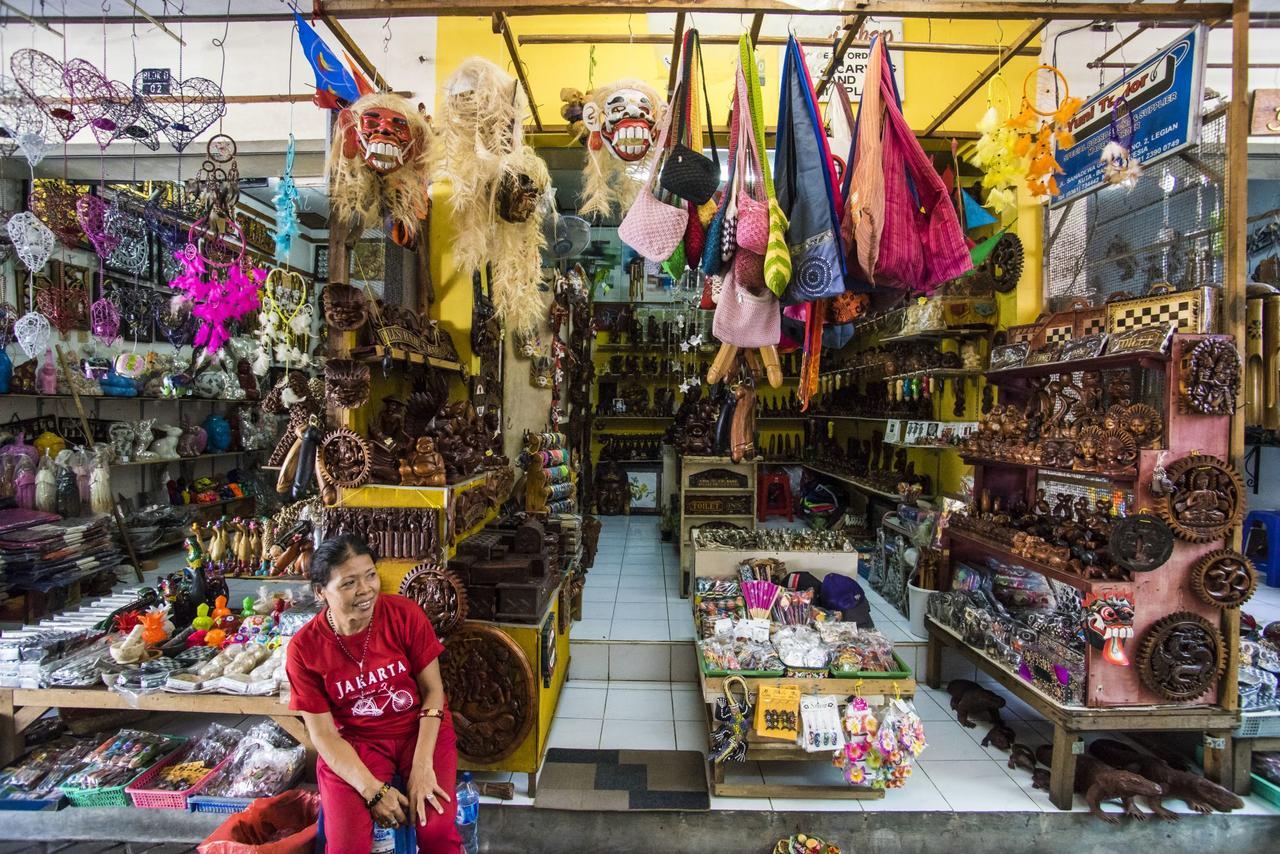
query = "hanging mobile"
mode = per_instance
[{"x": 1119, "y": 166}]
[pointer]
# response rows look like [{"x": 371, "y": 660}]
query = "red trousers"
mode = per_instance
[{"x": 348, "y": 827}]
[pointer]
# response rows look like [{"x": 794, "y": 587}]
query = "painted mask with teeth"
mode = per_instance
[
  {"x": 625, "y": 124},
  {"x": 1108, "y": 624},
  {"x": 385, "y": 138}
]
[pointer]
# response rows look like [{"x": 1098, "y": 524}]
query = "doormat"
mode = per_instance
[{"x": 620, "y": 780}]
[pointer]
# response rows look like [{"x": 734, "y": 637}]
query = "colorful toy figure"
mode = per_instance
[
  {"x": 203, "y": 622},
  {"x": 1108, "y": 623},
  {"x": 153, "y": 631},
  {"x": 247, "y": 610},
  {"x": 214, "y": 637},
  {"x": 220, "y": 608}
]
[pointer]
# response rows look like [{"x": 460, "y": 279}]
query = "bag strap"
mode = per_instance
[
  {"x": 663, "y": 132},
  {"x": 684, "y": 75},
  {"x": 746, "y": 60},
  {"x": 706, "y": 100}
]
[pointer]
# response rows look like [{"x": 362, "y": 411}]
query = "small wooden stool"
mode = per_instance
[{"x": 765, "y": 505}]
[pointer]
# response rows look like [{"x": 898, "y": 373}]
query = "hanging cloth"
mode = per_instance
[
  {"x": 864, "y": 180},
  {"x": 777, "y": 258}
]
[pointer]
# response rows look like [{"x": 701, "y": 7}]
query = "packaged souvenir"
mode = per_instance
[{"x": 263, "y": 764}]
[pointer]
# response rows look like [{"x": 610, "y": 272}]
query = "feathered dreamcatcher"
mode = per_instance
[
  {"x": 284, "y": 323},
  {"x": 286, "y": 202},
  {"x": 1119, "y": 166},
  {"x": 621, "y": 121},
  {"x": 1041, "y": 133},
  {"x": 378, "y": 166},
  {"x": 219, "y": 294},
  {"x": 993, "y": 153},
  {"x": 497, "y": 184}
]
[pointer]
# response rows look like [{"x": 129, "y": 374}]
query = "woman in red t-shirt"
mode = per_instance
[{"x": 364, "y": 674}]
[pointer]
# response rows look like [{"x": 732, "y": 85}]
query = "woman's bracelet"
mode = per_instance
[
  {"x": 373, "y": 802},
  {"x": 431, "y": 713}
]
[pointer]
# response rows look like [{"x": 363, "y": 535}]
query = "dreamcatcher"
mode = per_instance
[
  {"x": 188, "y": 110},
  {"x": 993, "y": 154},
  {"x": 217, "y": 184},
  {"x": 219, "y": 290},
  {"x": 284, "y": 323},
  {"x": 286, "y": 202},
  {"x": 1118, "y": 165},
  {"x": 1038, "y": 139}
]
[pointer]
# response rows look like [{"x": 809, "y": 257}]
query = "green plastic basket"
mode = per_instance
[
  {"x": 903, "y": 672},
  {"x": 1265, "y": 789},
  {"x": 115, "y": 796}
]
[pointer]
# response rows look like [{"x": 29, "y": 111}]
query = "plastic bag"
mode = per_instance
[
  {"x": 285, "y": 824},
  {"x": 262, "y": 765}
]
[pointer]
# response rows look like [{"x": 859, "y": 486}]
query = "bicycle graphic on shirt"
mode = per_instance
[{"x": 399, "y": 699}]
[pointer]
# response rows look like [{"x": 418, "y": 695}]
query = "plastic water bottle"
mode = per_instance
[
  {"x": 468, "y": 801},
  {"x": 384, "y": 840}
]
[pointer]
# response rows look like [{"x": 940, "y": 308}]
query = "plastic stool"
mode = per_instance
[
  {"x": 765, "y": 503},
  {"x": 1262, "y": 543}
]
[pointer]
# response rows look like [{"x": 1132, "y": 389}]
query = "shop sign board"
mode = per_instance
[
  {"x": 1266, "y": 113},
  {"x": 853, "y": 69},
  {"x": 1164, "y": 95},
  {"x": 156, "y": 81}
]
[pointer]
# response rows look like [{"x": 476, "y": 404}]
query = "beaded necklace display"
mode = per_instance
[{"x": 364, "y": 653}]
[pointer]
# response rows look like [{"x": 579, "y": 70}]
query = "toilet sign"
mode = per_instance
[{"x": 853, "y": 69}]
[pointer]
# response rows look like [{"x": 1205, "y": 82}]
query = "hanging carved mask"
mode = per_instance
[
  {"x": 382, "y": 137},
  {"x": 1108, "y": 624},
  {"x": 625, "y": 124},
  {"x": 518, "y": 196}
]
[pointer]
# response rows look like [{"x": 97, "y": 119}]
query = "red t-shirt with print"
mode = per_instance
[{"x": 380, "y": 701}]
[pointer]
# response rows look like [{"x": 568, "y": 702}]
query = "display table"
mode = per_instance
[
  {"x": 20, "y": 707},
  {"x": 721, "y": 563},
  {"x": 1071, "y": 722}
]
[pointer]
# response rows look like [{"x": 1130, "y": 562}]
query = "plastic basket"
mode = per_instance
[
  {"x": 197, "y": 802},
  {"x": 1258, "y": 725},
  {"x": 1265, "y": 789},
  {"x": 31, "y": 804},
  {"x": 112, "y": 796},
  {"x": 165, "y": 799},
  {"x": 903, "y": 672}
]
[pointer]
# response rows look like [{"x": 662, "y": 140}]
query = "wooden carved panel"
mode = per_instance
[
  {"x": 440, "y": 593},
  {"x": 718, "y": 479},
  {"x": 491, "y": 690},
  {"x": 717, "y": 505}
]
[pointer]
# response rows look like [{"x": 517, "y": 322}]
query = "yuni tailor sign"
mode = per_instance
[{"x": 1163, "y": 95}]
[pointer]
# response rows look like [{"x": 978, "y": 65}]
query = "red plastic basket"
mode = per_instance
[{"x": 165, "y": 799}]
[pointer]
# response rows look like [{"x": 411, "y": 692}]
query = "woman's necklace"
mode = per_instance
[{"x": 364, "y": 652}]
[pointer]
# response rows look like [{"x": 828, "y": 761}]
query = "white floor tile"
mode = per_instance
[
  {"x": 929, "y": 710},
  {"x": 575, "y": 733},
  {"x": 637, "y": 577},
  {"x": 642, "y": 594},
  {"x": 639, "y": 630},
  {"x": 894, "y": 632},
  {"x": 688, "y": 704},
  {"x": 976, "y": 786},
  {"x": 947, "y": 741},
  {"x": 626, "y": 704},
  {"x": 639, "y": 661},
  {"x": 681, "y": 630},
  {"x": 637, "y": 735},
  {"x": 574, "y": 682},
  {"x": 593, "y": 610},
  {"x": 639, "y": 611},
  {"x": 684, "y": 664},
  {"x": 1024, "y": 733},
  {"x": 577, "y": 702},
  {"x": 588, "y": 660},
  {"x": 919, "y": 794},
  {"x": 691, "y": 735},
  {"x": 590, "y": 630},
  {"x": 593, "y": 592}
]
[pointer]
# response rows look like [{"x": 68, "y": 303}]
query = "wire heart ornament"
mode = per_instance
[
  {"x": 32, "y": 332},
  {"x": 96, "y": 218},
  {"x": 109, "y": 105},
  {"x": 23, "y": 122},
  {"x": 190, "y": 108},
  {"x": 44, "y": 79},
  {"x": 104, "y": 321},
  {"x": 284, "y": 323},
  {"x": 145, "y": 127},
  {"x": 175, "y": 321},
  {"x": 32, "y": 240},
  {"x": 134, "y": 303},
  {"x": 6, "y": 245},
  {"x": 54, "y": 202},
  {"x": 64, "y": 305},
  {"x": 133, "y": 251}
]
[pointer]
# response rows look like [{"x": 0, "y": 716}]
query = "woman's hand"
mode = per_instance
[
  {"x": 424, "y": 791},
  {"x": 392, "y": 810}
]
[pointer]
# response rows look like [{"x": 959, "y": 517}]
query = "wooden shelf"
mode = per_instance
[
  {"x": 86, "y": 398},
  {"x": 376, "y": 353},
  {"x": 1100, "y": 363},
  {"x": 858, "y": 417},
  {"x": 859, "y": 484},
  {"x": 934, "y": 372},
  {"x": 938, "y": 334},
  {"x": 1122, "y": 477},
  {"x": 1002, "y": 552},
  {"x": 634, "y": 417},
  {"x": 217, "y": 456},
  {"x": 920, "y": 447}
]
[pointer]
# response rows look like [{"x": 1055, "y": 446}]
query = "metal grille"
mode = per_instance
[
  {"x": 1167, "y": 229},
  {"x": 1091, "y": 487}
]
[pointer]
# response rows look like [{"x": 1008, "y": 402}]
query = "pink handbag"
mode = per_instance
[
  {"x": 748, "y": 269},
  {"x": 745, "y": 319},
  {"x": 753, "y": 213},
  {"x": 653, "y": 227}
]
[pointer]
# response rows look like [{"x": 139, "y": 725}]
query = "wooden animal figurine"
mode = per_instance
[
  {"x": 968, "y": 697},
  {"x": 1097, "y": 782},
  {"x": 1022, "y": 756},
  {"x": 999, "y": 736},
  {"x": 1203, "y": 796}
]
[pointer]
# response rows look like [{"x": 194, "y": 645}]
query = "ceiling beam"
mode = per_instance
[
  {"x": 1015, "y": 9},
  {"x": 503, "y": 26},
  {"x": 757, "y": 21},
  {"x": 321, "y": 10},
  {"x": 837, "y": 55},
  {"x": 762, "y": 41},
  {"x": 677, "y": 38},
  {"x": 987, "y": 73},
  {"x": 44, "y": 25}
]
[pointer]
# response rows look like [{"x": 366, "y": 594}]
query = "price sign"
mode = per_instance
[{"x": 155, "y": 81}]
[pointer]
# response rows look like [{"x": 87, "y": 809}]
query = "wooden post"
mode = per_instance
[
  {"x": 1062, "y": 773},
  {"x": 8, "y": 728}
]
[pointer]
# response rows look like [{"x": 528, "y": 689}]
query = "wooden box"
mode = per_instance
[
  {"x": 1079, "y": 320},
  {"x": 524, "y": 602},
  {"x": 1193, "y": 311}
]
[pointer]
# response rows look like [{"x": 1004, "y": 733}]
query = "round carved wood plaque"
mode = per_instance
[
  {"x": 440, "y": 593},
  {"x": 1181, "y": 656},
  {"x": 1224, "y": 579},
  {"x": 1206, "y": 501},
  {"x": 1141, "y": 543},
  {"x": 492, "y": 692}
]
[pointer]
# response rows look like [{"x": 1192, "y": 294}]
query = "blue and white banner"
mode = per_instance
[{"x": 1164, "y": 97}]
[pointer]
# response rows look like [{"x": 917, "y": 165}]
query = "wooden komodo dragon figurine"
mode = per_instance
[
  {"x": 968, "y": 697},
  {"x": 999, "y": 736},
  {"x": 1097, "y": 782},
  {"x": 1201, "y": 795}
]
